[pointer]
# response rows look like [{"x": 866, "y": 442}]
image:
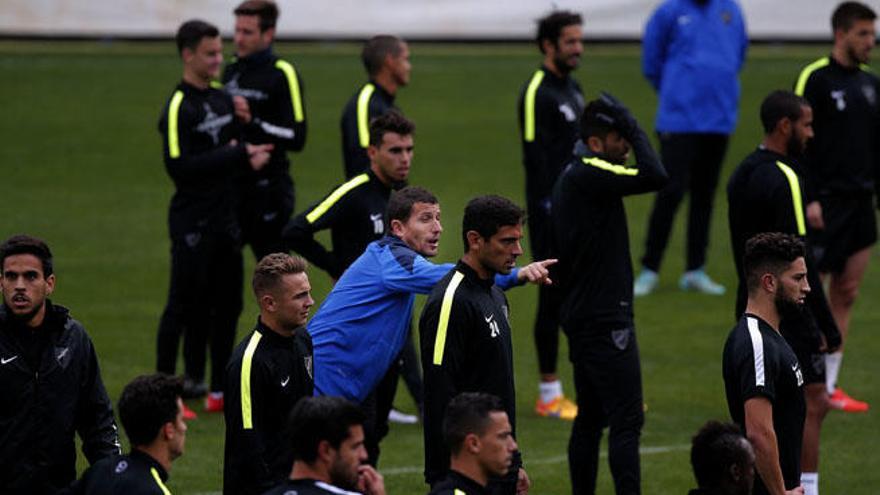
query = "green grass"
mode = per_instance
[{"x": 81, "y": 161}]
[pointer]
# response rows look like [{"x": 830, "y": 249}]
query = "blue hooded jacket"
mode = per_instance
[{"x": 692, "y": 53}]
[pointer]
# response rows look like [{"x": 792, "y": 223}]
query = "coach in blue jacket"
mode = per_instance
[
  {"x": 692, "y": 51},
  {"x": 360, "y": 328}
]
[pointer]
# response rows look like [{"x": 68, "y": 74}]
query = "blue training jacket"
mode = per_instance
[
  {"x": 692, "y": 54},
  {"x": 361, "y": 327}
]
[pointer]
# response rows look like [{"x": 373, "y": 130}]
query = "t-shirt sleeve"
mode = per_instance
[{"x": 756, "y": 371}]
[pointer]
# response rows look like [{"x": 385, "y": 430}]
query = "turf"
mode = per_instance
[{"x": 82, "y": 168}]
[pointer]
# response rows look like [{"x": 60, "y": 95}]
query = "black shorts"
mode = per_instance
[
  {"x": 850, "y": 226},
  {"x": 805, "y": 345}
]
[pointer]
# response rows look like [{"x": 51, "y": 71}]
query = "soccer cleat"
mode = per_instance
[
  {"x": 189, "y": 414},
  {"x": 559, "y": 407},
  {"x": 699, "y": 281},
  {"x": 193, "y": 389},
  {"x": 395, "y": 416},
  {"x": 645, "y": 283},
  {"x": 214, "y": 402},
  {"x": 840, "y": 400}
]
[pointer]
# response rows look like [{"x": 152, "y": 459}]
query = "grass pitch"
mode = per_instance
[{"x": 82, "y": 168}]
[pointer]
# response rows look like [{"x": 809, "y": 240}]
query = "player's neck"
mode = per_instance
[
  {"x": 840, "y": 55},
  {"x": 469, "y": 469},
  {"x": 765, "y": 309},
  {"x": 775, "y": 144},
  {"x": 301, "y": 470},
  {"x": 550, "y": 64},
  {"x": 471, "y": 260},
  {"x": 274, "y": 326},
  {"x": 386, "y": 80},
  {"x": 159, "y": 453}
]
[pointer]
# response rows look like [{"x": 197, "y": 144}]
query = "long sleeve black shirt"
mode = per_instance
[
  {"x": 590, "y": 232},
  {"x": 266, "y": 376},
  {"x": 354, "y": 211},
  {"x": 274, "y": 91},
  {"x": 370, "y": 101},
  {"x": 765, "y": 194},
  {"x": 470, "y": 351},
  {"x": 197, "y": 127},
  {"x": 843, "y": 158},
  {"x": 134, "y": 474},
  {"x": 550, "y": 109}
]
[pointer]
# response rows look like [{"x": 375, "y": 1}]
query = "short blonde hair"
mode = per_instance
[{"x": 272, "y": 268}]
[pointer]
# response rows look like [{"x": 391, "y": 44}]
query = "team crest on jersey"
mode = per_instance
[
  {"x": 121, "y": 466},
  {"x": 568, "y": 112},
  {"x": 620, "y": 338},
  {"x": 839, "y": 97},
  {"x": 870, "y": 94},
  {"x": 307, "y": 361}
]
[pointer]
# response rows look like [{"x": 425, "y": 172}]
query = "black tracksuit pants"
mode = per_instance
[
  {"x": 693, "y": 162},
  {"x": 546, "y": 329}
]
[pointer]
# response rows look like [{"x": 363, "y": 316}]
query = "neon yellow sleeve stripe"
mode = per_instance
[
  {"x": 335, "y": 196},
  {"x": 216, "y": 84},
  {"x": 611, "y": 167},
  {"x": 797, "y": 202},
  {"x": 173, "y": 137},
  {"x": 459, "y": 492},
  {"x": 443, "y": 324},
  {"x": 158, "y": 479},
  {"x": 806, "y": 73},
  {"x": 247, "y": 414},
  {"x": 363, "y": 114},
  {"x": 529, "y": 106},
  {"x": 293, "y": 84}
]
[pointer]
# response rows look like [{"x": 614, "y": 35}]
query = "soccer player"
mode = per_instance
[
  {"x": 386, "y": 59},
  {"x": 841, "y": 168},
  {"x": 692, "y": 51},
  {"x": 354, "y": 213},
  {"x": 589, "y": 224},
  {"x": 360, "y": 328},
  {"x": 151, "y": 411},
  {"x": 327, "y": 439},
  {"x": 479, "y": 436},
  {"x": 268, "y": 373},
  {"x": 268, "y": 96},
  {"x": 465, "y": 332},
  {"x": 762, "y": 377},
  {"x": 723, "y": 460},
  {"x": 49, "y": 377},
  {"x": 765, "y": 194},
  {"x": 550, "y": 106},
  {"x": 204, "y": 158}
]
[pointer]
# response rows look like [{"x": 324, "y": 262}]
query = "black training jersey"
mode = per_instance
[
  {"x": 369, "y": 102},
  {"x": 550, "y": 109},
  {"x": 307, "y": 487},
  {"x": 274, "y": 92},
  {"x": 354, "y": 212},
  {"x": 590, "y": 233},
  {"x": 134, "y": 474},
  {"x": 266, "y": 376},
  {"x": 456, "y": 483},
  {"x": 765, "y": 194},
  {"x": 758, "y": 362},
  {"x": 197, "y": 127},
  {"x": 843, "y": 157},
  {"x": 466, "y": 347}
]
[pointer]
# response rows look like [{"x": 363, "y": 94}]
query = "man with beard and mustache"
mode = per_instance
[
  {"x": 762, "y": 377},
  {"x": 550, "y": 107},
  {"x": 765, "y": 194},
  {"x": 327, "y": 436},
  {"x": 52, "y": 387},
  {"x": 841, "y": 166},
  {"x": 692, "y": 51},
  {"x": 595, "y": 271}
]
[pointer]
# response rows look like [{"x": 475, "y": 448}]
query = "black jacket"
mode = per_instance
[
  {"x": 765, "y": 194},
  {"x": 590, "y": 233},
  {"x": 550, "y": 109},
  {"x": 197, "y": 126},
  {"x": 307, "y": 487},
  {"x": 456, "y": 483},
  {"x": 134, "y": 474},
  {"x": 469, "y": 352},
  {"x": 41, "y": 409},
  {"x": 368, "y": 103},
  {"x": 354, "y": 212},
  {"x": 278, "y": 372},
  {"x": 844, "y": 156}
]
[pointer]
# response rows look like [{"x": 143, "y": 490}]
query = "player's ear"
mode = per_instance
[
  {"x": 769, "y": 282},
  {"x": 596, "y": 144},
  {"x": 397, "y": 227},
  {"x": 372, "y": 152},
  {"x": 267, "y": 302},
  {"x": 474, "y": 240},
  {"x": 50, "y": 284},
  {"x": 325, "y": 451},
  {"x": 472, "y": 443},
  {"x": 547, "y": 45}
]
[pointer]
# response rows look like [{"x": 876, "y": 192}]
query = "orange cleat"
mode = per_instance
[
  {"x": 189, "y": 414},
  {"x": 840, "y": 400},
  {"x": 559, "y": 407},
  {"x": 214, "y": 402}
]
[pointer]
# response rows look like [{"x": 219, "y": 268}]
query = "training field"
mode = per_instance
[{"x": 81, "y": 167}]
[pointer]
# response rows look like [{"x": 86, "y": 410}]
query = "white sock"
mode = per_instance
[
  {"x": 810, "y": 482},
  {"x": 832, "y": 369},
  {"x": 550, "y": 390},
  {"x": 216, "y": 395}
]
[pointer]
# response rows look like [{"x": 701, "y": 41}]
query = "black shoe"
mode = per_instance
[{"x": 193, "y": 389}]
